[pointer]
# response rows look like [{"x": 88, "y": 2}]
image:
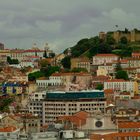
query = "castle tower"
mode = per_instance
[
  {"x": 116, "y": 36},
  {"x": 133, "y": 36},
  {"x": 102, "y": 35}
]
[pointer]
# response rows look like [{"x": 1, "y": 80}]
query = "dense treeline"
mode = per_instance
[
  {"x": 92, "y": 46},
  {"x": 12, "y": 61}
]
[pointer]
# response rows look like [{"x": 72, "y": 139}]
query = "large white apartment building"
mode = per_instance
[
  {"x": 51, "y": 105},
  {"x": 121, "y": 85},
  {"x": 67, "y": 103}
]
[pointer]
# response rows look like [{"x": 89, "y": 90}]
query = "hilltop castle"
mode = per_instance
[{"x": 132, "y": 36}]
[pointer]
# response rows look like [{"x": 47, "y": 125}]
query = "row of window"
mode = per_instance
[
  {"x": 49, "y": 109},
  {"x": 54, "y": 104},
  {"x": 55, "y": 113},
  {"x": 49, "y": 84},
  {"x": 95, "y": 104}
]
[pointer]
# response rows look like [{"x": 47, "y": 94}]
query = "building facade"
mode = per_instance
[
  {"x": 101, "y": 59},
  {"x": 67, "y": 103},
  {"x": 122, "y": 85}
]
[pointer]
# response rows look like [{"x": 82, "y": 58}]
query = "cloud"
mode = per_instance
[
  {"x": 62, "y": 23},
  {"x": 120, "y": 15}
]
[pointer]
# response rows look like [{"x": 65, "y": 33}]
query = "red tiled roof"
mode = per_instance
[
  {"x": 71, "y": 74},
  {"x": 125, "y": 93},
  {"x": 106, "y": 55},
  {"x": 32, "y": 56},
  {"x": 45, "y": 126},
  {"x": 109, "y": 91},
  {"x": 121, "y": 61},
  {"x": 42, "y": 78},
  {"x": 114, "y": 136},
  {"x": 77, "y": 119},
  {"x": 129, "y": 125},
  {"x": 101, "y": 77},
  {"x": 8, "y": 129},
  {"x": 135, "y": 54},
  {"x": 34, "y": 50},
  {"x": 116, "y": 80}
]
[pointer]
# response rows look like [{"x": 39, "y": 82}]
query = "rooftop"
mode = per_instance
[
  {"x": 75, "y": 95},
  {"x": 106, "y": 55},
  {"x": 129, "y": 125}
]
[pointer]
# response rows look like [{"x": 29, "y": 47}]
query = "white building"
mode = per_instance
[
  {"x": 52, "y": 81},
  {"x": 27, "y": 63},
  {"x": 67, "y": 103},
  {"x": 121, "y": 85},
  {"x": 38, "y": 96},
  {"x": 35, "y": 103},
  {"x": 100, "y": 59}
]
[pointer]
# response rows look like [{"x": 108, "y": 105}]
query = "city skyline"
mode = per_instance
[{"x": 62, "y": 24}]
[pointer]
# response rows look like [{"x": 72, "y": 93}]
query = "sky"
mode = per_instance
[{"x": 62, "y": 23}]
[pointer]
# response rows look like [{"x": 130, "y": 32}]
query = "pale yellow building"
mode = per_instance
[{"x": 102, "y": 71}]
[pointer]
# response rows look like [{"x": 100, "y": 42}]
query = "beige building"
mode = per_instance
[
  {"x": 80, "y": 62},
  {"x": 102, "y": 71},
  {"x": 58, "y": 58},
  {"x": 108, "y": 68},
  {"x": 10, "y": 120},
  {"x": 66, "y": 79}
]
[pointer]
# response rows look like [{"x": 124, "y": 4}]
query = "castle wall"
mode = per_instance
[{"x": 131, "y": 36}]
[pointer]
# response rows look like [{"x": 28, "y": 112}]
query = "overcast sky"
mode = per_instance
[{"x": 62, "y": 23}]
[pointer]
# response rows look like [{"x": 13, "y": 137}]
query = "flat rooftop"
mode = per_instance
[{"x": 76, "y": 95}]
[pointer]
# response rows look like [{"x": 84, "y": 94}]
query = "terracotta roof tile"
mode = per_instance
[
  {"x": 8, "y": 129},
  {"x": 109, "y": 91},
  {"x": 77, "y": 119},
  {"x": 116, "y": 80},
  {"x": 129, "y": 125},
  {"x": 106, "y": 55}
]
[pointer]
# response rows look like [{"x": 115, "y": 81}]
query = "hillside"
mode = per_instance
[{"x": 91, "y": 46}]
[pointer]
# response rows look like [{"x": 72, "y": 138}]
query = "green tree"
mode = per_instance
[
  {"x": 45, "y": 54},
  {"x": 121, "y": 74},
  {"x": 35, "y": 75},
  {"x": 79, "y": 70},
  {"x": 4, "y": 104},
  {"x": 118, "y": 66},
  {"x": 110, "y": 40},
  {"x": 12, "y": 61},
  {"x": 66, "y": 63},
  {"x": 123, "y": 40},
  {"x": 52, "y": 55},
  {"x": 99, "y": 87},
  {"x": 43, "y": 63},
  {"x": 82, "y": 46},
  {"x": 50, "y": 70},
  {"x": 126, "y": 30}
]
